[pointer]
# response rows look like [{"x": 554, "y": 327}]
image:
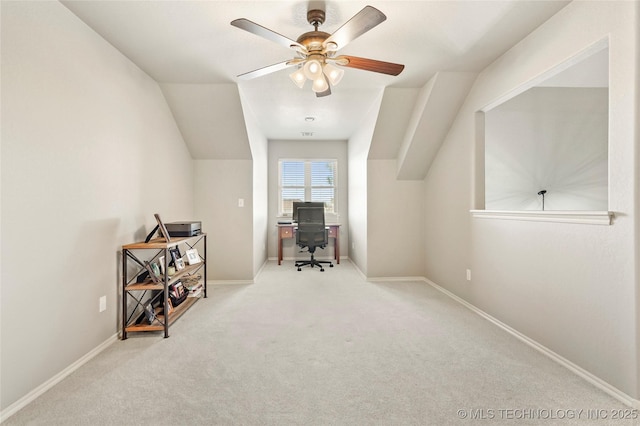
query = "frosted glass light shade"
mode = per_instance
[
  {"x": 298, "y": 77},
  {"x": 333, "y": 73},
  {"x": 320, "y": 84},
  {"x": 312, "y": 69}
]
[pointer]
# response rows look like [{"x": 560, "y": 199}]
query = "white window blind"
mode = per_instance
[{"x": 307, "y": 180}]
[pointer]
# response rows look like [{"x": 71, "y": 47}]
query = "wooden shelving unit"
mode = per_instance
[{"x": 136, "y": 295}]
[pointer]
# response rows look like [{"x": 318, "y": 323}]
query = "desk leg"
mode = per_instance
[
  {"x": 279, "y": 248},
  {"x": 337, "y": 246}
]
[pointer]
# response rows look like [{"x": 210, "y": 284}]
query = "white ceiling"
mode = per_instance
[{"x": 190, "y": 45}]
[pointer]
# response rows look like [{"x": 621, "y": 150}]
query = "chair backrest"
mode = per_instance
[{"x": 311, "y": 227}]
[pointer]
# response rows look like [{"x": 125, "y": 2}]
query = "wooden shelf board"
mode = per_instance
[
  {"x": 148, "y": 285},
  {"x": 188, "y": 270},
  {"x": 161, "y": 243},
  {"x": 179, "y": 310},
  {"x": 145, "y": 327},
  {"x": 157, "y": 324},
  {"x": 145, "y": 286}
]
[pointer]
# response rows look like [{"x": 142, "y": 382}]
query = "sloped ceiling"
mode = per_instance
[
  {"x": 191, "y": 49},
  {"x": 434, "y": 111},
  {"x": 209, "y": 116},
  {"x": 393, "y": 120}
]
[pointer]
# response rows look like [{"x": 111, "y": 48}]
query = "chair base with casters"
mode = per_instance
[
  {"x": 312, "y": 233},
  {"x": 312, "y": 262}
]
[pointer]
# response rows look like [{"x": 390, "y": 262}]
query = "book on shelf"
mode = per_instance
[{"x": 195, "y": 290}]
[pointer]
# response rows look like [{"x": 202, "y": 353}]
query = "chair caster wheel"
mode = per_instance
[
  {"x": 321, "y": 269},
  {"x": 299, "y": 269},
  {"x": 331, "y": 265}
]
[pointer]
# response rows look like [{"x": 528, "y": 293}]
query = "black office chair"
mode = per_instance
[{"x": 312, "y": 233}]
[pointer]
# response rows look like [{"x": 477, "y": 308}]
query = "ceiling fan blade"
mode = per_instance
[
  {"x": 359, "y": 24},
  {"x": 261, "y": 31},
  {"x": 369, "y": 64},
  {"x": 268, "y": 69},
  {"x": 323, "y": 94}
]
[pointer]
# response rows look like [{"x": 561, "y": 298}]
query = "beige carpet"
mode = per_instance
[{"x": 321, "y": 348}]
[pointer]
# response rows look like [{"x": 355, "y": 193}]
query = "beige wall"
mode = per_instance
[
  {"x": 237, "y": 235},
  {"x": 573, "y": 288},
  {"x": 308, "y": 150},
  {"x": 358, "y": 151},
  {"x": 395, "y": 225},
  {"x": 259, "y": 152},
  {"x": 87, "y": 138},
  {"x": 219, "y": 184}
]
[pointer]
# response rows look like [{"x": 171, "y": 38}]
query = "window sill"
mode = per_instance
[{"x": 583, "y": 217}]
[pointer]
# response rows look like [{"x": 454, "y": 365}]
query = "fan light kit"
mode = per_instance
[{"x": 316, "y": 58}]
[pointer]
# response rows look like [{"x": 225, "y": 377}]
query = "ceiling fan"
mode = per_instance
[{"x": 316, "y": 51}]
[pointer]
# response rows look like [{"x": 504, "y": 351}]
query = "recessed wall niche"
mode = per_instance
[{"x": 547, "y": 147}]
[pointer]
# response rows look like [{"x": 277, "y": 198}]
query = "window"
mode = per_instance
[{"x": 307, "y": 180}]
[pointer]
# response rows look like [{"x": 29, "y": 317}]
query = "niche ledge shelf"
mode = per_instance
[{"x": 583, "y": 217}]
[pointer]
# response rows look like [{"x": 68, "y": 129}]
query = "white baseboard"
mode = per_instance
[
  {"x": 594, "y": 380},
  {"x": 589, "y": 377},
  {"x": 394, "y": 279},
  {"x": 362, "y": 274},
  {"x": 586, "y": 375},
  {"x": 330, "y": 258},
  {"x": 264, "y": 264},
  {"x": 302, "y": 258},
  {"x": 228, "y": 282},
  {"x": 31, "y": 396}
]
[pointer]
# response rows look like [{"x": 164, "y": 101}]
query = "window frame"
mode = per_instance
[{"x": 308, "y": 187}]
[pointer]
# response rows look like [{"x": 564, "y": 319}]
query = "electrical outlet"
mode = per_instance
[
  {"x": 240, "y": 202},
  {"x": 468, "y": 274},
  {"x": 103, "y": 303}
]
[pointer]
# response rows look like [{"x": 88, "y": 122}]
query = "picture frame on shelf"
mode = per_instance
[
  {"x": 161, "y": 263},
  {"x": 151, "y": 272},
  {"x": 156, "y": 269},
  {"x": 192, "y": 256},
  {"x": 162, "y": 228},
  {"x": 175, "y": 254},
  {"x": 180, "y": 264},
  {"x": 151, "y": 234}
]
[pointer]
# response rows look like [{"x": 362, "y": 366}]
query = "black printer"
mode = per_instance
[{"x": 184, "y": 229}]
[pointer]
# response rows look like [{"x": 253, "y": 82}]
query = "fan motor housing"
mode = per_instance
[
  {"x": 316, "y": 17},
  {"x": 313, "y": 40}
]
